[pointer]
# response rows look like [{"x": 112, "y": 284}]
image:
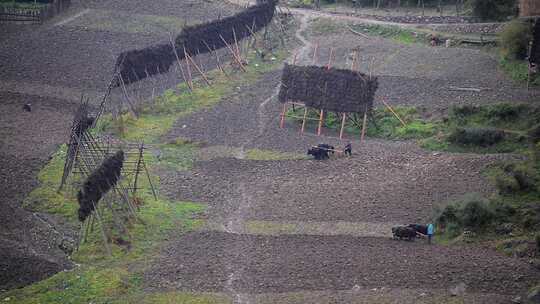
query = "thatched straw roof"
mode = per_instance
[{"x": 332, "y": 89}]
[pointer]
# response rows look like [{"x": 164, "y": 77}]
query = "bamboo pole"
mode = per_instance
[
  {"x": 393, "y": 112},
  {"x": 342, "y": 126},
  {"x": 330, "y": 59},
  {"x": 314, "y": 60},
  {"x": 190, "y": 79},
  {"x": 282, "y": 122},
  {"x": 179, "y": 62},
  {"x": 233, "y": 53},
  {"x": 364, "y": 124},
  {"x": 319, "y": 129},
  {"x": 198, "y": 69},
  {"x": 353, "y": 64},
  {"x": 304, "y": 121}
]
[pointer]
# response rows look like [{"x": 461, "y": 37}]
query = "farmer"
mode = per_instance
[{"x": 430, "y": 230}]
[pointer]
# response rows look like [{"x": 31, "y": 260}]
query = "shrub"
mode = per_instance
[
  {"x": 515, "y": 39},
  {"x": 506, "y": 184},
  {"x": 476, "y": 214},
  {"x": 505, "y": 112},
  {"x": 483, "y": 137},
  {"x": 471, "y": 212},
  {"x": 493, "y": 10},
  {"x": 465, "y": 110}
]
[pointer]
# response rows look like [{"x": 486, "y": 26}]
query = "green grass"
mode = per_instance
[
  {"x": 395, "y": 33},
  {"x": 514, "y": 120},
  {"x": 29, "y": 5},
  {"x": 517, "y": 70}
]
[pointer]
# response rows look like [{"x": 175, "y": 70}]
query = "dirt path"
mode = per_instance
[{"x": 286, "y": 231}]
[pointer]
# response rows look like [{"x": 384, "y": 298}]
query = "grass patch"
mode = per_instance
[
  {"x": 324, "y": 26},
  {"x": 28, "y": 6},
  {"x": 499, "y": 128},
  {"x": 517, "y": 70},
  {"x": 394, "y": 33},
  {"x": 46, "y": 198},
  {"x": 257, "y": 154}
]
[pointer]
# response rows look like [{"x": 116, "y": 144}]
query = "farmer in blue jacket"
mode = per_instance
[{"x": 430, "y": 230}]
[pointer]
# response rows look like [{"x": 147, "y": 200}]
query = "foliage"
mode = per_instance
[
  {"x": 482, "y": 137},
  {"x": 493, "y": 10},
  {"x": 471, "y": 212},
  {"x": 515, "y": 39},
  {"x": 518, "y": 71}
]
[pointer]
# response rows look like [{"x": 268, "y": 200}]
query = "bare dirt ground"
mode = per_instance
[
  {"x": 251, "y": 248},
  {"x": 51, "y": 66},
  {"x": 28, "y": 241},
  {"x": 292, "y": 229}
]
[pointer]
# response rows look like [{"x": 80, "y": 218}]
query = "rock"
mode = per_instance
[{"x": 458, "y": 290}]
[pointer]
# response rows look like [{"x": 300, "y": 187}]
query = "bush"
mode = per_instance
[
  {"x": 515, "y": 40},
  {"x": 483, "y": 137},
  {"x": 493, "y": 10},
  {"x": 476, "y": 214},
  {"x": 472, "y": 212}
]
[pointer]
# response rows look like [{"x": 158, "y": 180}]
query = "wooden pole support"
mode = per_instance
[
  {"x": 233, "y": 54},
  {"x": 393, "y": 112},
  {"x": 330, "y": 59},
  {"x": 319, "y": 129},
  {"x": 342, "y": 125},
  {"x": 190, "y": 80},
  {"x": 304, "y": 121},
  {"x": 282, "y": 122},
  {"x": 353, "y": 64},
  {"x": 198, "y": 69},
  {"x": 364, "y": 124},
  {"x": 314, "y": 60}
]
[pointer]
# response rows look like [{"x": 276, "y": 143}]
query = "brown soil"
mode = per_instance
[
  {"x": 384, "y": 182},
  {"x": 28, "y": 241}
]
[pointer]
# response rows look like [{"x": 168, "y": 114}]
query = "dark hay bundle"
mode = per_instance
[
  {"x": 535, "y": 49},
  {"x": 98, "y": 183},
  {"x": 202, "y": 38},
  {"x": 134, "y": 65},
  {"x": 334, "y": 90}
]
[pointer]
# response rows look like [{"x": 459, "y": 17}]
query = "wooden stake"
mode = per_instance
[
  {"x": 198, "y": 69},
  {"x": 294, "y": 58},
  {"x": 282, "y": 122},
  {"x": 180, "y": 66},
  {"x": 393, "y": 112},
  {"x": 190, "y": 80},
  {"x": 238, "y": 60},
  {"x": 353, "y": 64},
  {"x": 304, "y": 120},
  {"x": 319, "y": 129},
  {"x": 342, "y": 126},
  {"x": 236, "y": 44},
  {"x": 364, "y": 124},
  {"x": 330, "y": 59},
  {"x": 314, "y": 60}
]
